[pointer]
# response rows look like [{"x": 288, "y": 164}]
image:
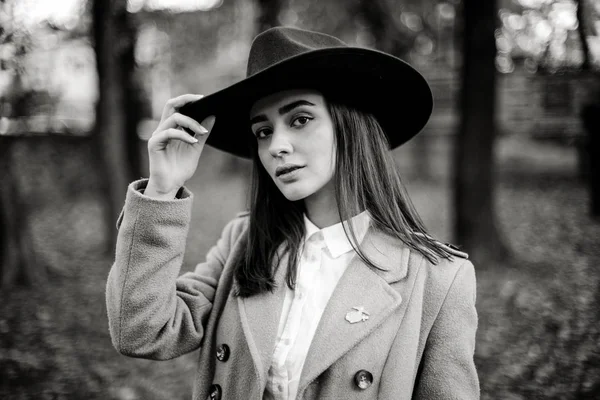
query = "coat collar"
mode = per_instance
[
  {"x": 388, "y": 253},
  {"x": 359, "y": 286}
]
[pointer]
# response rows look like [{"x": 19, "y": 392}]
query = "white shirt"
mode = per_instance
[{"x": 323, "y": 259}]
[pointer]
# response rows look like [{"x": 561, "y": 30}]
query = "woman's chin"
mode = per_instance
[
  {"x": 300, "y": 190},
  {"x": 294, "y": 192},
  {"x": 293, "y": 195}
]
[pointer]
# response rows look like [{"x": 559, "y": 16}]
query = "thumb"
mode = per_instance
[{"x": 208, "y": 122}]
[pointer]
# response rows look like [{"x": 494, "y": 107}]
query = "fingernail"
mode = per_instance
[
  {"x": 194, "y": 140},
  {"x": 203, "y": 129}
]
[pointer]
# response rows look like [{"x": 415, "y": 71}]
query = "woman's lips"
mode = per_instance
[
  {"x": 286, "y": 168},
  {"x": 289, "y": 174}
]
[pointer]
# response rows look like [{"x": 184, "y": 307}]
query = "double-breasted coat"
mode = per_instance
[{"x": 418, "y": 341}]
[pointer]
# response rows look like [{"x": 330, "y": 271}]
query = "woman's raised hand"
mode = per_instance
[{"x": 174, "y": 153}]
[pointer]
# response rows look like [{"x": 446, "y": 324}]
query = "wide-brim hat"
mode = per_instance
[{"x": 291, "y": 58}]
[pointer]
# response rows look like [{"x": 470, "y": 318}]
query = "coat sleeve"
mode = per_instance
[
  {"x": 153, "y": 313},
  {"x": 447, "y": 369}
]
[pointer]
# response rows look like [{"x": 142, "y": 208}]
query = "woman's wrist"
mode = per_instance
[{"x": 153, "y": 192}]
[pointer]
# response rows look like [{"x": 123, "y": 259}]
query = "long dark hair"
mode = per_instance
[{"x": 276, "y": 226}]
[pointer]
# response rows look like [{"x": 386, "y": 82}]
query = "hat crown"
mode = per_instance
[{"x": 280, "y": 43}]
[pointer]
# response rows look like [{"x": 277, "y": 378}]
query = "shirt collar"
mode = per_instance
[{"x": 334, "y": 238}]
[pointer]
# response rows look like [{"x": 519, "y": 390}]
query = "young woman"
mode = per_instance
[{"x": 329, "y": 287}]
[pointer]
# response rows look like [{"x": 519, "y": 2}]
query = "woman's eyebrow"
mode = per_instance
[
  {"x": 282, "y": 110},
  {"x": 289, "y": 107}
]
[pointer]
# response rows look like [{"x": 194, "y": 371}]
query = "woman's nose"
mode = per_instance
[{"x": 280, "y": 144}]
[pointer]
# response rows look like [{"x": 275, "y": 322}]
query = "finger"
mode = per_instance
[
  {"x": 179, "y": 120},
  {"x": 187, "y": 130},
  {"x": 208, "y": 123},
  {"x": 163, "y": 137},
  {"x": 173, "y": 104}
]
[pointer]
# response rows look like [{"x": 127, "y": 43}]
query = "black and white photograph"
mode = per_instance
[{"x": 299, "y": 199}]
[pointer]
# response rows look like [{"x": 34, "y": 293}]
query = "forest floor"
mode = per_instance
[{"x": 539, "y": 311}]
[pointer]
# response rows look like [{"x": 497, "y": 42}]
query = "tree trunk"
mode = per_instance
[
  {"x": 268, "y": 14},
  {"x": 116, "y": 114},
  {"x": 586, "y": 64},
  {"x": 590, "y": 115},
  {"x": 591, "y": 122},
  {"x": 17, "y": 257},
  {"x": 387, "y": 34},
  {"x": 475, "y": 220}
]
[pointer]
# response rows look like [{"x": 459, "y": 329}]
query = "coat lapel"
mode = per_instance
[
  {"x": 260, "y": 316},
  {"x": 359, "y": 286}
]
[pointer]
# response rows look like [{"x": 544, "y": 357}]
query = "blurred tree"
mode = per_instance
[
  {"x": 389, "y": 35},
  {"x": 268, "y": 14},
  {"x": 585, "y": 48},
  {"x": 17, "y": 257},
  {"x": 475, "y": 220},
  {"x": 590, "y": 115},
  {"x": 117, "y": 114},
  {"x": 547, "y": 34}
]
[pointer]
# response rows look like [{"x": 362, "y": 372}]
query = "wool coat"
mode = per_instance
[{"x": 418, "y": 341}]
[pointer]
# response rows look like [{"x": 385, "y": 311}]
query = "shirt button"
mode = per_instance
[
  {"x": 300, "y": 296},
  {"x": 280, "y": 388}
]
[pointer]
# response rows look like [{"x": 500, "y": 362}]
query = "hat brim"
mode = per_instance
[{"x": 370, "y": 80}]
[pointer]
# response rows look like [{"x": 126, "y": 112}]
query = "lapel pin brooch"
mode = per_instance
[{"x": 358, "y": 314}]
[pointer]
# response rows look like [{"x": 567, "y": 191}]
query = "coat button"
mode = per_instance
[
  {"x": 214, "y": 392},
  {"x": 363, "y": 379},
  {"x": 223, "y": 353}
]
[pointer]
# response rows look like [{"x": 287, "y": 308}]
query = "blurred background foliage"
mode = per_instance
[{"x": 82, "y": 86}]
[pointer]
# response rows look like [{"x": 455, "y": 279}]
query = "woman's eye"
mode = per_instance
[
  {"x": 262, "y": 133},
  {"x": 301, "y": 120}
]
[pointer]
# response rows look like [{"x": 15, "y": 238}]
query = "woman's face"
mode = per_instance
[{"x": 295, "y": 137}]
